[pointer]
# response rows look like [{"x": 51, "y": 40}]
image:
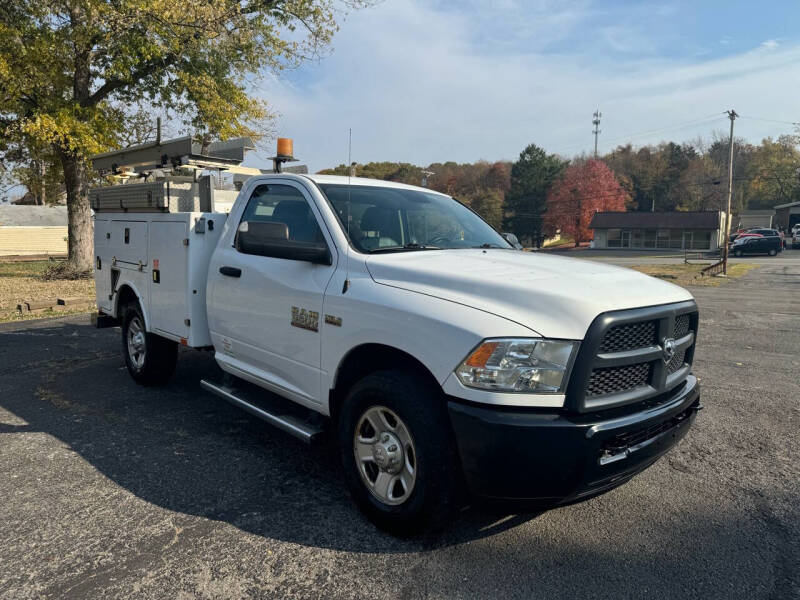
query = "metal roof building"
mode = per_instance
[
  {"x": 677, "y": 230},
  {"x": 754, "y": 218},
  {"x": 787, "y": 215},
  {"x": 16, "y": 215}
]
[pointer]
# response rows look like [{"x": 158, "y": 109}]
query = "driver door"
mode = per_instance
[{"x": 265, "y": 311}]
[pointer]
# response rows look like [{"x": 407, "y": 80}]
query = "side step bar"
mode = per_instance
[{"x": 306, "y": 431}]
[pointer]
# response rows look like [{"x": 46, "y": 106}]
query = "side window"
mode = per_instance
[{"x": 275, "y": 203}]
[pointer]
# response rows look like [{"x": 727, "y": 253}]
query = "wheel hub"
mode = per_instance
[
  {"x": 387, "y": 453},
  {"x": 137, "y": 341}
]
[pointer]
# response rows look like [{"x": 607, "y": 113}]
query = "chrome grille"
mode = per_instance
[
  {"x": 629, "y": 337},
  {"x": 618, "y": 379}
]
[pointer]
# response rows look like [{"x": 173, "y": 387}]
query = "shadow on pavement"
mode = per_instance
[{"x": 180, "y": 448}]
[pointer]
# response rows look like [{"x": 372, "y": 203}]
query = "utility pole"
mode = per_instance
[
  {"x": 596, "y": 122},
  {"x": 732, "y": 116}
]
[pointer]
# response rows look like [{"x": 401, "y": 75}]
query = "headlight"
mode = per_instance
[{"x": 518, "y": 365}]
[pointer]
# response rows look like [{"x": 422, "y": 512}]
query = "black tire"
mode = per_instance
[
  {"x": 156, "y": 362},
  {"x": 772, "y": 252},
  {"x": 737, "y": 253},
  {"x": 421, "y": 408}
]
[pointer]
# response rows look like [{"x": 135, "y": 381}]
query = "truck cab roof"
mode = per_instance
[{"x": 362, "y": 181}]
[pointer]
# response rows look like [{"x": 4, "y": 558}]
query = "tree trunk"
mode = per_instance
[{"x": 80, "y": 237}]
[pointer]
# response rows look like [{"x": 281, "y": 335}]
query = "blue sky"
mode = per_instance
[{"x": 434, "y": 81}]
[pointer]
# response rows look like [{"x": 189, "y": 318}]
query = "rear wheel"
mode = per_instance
[
  {"x": 397, "y": 451},
  {"x": 151, "y": 359},
  {"x": 773, "y": 252}
]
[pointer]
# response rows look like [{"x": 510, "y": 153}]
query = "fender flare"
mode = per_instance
[{"x": 123, "y": 283}]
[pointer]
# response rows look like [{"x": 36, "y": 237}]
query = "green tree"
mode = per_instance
[
  {"x": 488, "y": 203},
  {"x": 531, "y": 178},
  {"x": 744, "y": 153},
  {"x": 36, "y": 169},
  {"x": 772, "y": 174},
  {"x": 407, "y": 173},
  {"x": 69, "y": 68},
  {"x": 389, "y": 171}
]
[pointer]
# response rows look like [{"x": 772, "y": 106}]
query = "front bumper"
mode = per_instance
[{"x": 555, "y": 457}]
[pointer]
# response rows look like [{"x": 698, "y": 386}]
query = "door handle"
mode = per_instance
[{"x": 230, "y": 271}]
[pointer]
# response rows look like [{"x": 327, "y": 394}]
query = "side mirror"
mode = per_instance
[
  {"x": 513, "y": 240},
  {"x": 272, "y": 239}
]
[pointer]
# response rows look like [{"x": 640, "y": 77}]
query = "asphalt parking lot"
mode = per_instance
[{"x": 112, "y": 490}]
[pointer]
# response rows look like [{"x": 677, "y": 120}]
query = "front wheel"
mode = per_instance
[
  {"x": 151, "y": 359},
  {"x": 397, "y": 451},
  {"x": 737, "y": 253}
]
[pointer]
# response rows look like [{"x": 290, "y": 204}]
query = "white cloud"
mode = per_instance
[
  {"x": 420, "y": 85},
  {"x": 770, "y": 44}
]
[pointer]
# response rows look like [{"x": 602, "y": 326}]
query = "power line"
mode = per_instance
[
  {"x": 674, "y": 126},
  {"x": 669, "y": 128},
  {"x": 796, "y": 123}
]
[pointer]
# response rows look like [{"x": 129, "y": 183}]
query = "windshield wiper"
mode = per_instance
[
  {"x": 411, "y": 246},
  {"x": 488, "y": 245}
]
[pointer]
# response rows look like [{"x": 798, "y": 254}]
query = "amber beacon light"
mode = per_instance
[
  {"x": 285, "y": 147},
  {"x": 284, "y": 154}
]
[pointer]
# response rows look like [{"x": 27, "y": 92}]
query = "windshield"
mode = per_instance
[{"x": 386, "y": 219}]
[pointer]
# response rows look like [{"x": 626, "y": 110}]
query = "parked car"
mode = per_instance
[
  {"x": 746, "y": 234},
  {"x": 736, "y": 234},
  {"x": 764, "y": 232},
  {"x": 757, "y": 245},
  {"x": 513, "y": 240},
  {"x": 796, "y": 239}
]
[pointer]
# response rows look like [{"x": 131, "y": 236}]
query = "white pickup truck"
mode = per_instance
[{"x": 446, "y": 365}]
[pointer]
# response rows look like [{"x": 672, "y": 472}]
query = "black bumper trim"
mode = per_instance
[{"x": 554, "y": 457}]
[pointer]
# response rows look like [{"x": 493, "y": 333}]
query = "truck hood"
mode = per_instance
[{"x": 552, "y": 295}]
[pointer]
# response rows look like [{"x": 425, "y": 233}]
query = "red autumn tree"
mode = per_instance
[{"x": 584, "y": 189}]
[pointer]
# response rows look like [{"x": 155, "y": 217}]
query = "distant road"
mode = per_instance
[{"x": 788, "y": 257}]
